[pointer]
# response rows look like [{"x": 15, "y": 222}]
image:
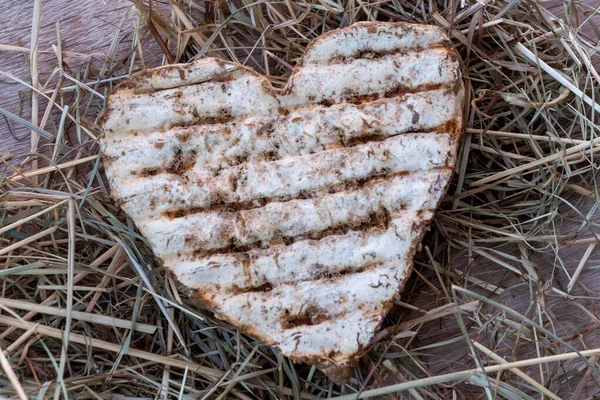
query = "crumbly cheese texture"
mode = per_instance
[{"x": 293, "y": 214}]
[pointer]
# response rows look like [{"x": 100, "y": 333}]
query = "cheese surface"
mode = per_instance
[{"x": 293, "y": 214}]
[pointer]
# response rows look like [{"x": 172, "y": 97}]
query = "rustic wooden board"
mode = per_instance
[{"x": 89, "y": 25}]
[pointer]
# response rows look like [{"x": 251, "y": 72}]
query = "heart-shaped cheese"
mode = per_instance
[{"x": 293, "y": 214}]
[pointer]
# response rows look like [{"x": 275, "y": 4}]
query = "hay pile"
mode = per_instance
[{"x": 87, "y": 313}]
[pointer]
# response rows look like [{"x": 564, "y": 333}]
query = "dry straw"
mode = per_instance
[{"x": 500, "y": 307}]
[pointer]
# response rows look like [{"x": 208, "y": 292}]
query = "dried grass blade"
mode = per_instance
[
  {"x": 522, "y": 319},
  {"x": 114, "y": 264},
  {"x": 142, "y": 274},
  {"x": 33, "y": 68},
  {"x": 96, "y": 263},
  {"x": 78, "y": 315},
  {"x": 17, "y": 343},
  {"x": 69, "y": 310},
  {"x": 582, "y": 262},
  {"x": 34, "y": 128},
  {"x": 31, "y": 217},
  {"x": 30, "y": 239},
  {"x": 51, "y": 168},
  {"x": 12, "y": 377},
  {"x": 556, "y": 75},
  {"x": 101, "y": 344},
  {"x": 440, "y": 312},
  {"x": 516, "y": 371},
  {"x": 537, "y": 163},
  {"x": 458, "y": 376}
]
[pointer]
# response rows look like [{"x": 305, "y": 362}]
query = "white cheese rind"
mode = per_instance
[{"x": 294, "y": 214}]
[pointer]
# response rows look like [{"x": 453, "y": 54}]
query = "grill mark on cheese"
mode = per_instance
[
  {"x": 448, "y": 127},
  {"x": 179, "y": 166},
  {"x": 320, "y": 278},
  {"x": 365, "y": 103},
  {"x": 395, "y": 91},
  {"x": 337, "y": 297},
  {"x": 379, "y": 219},
  {"x": 207, "y": 120},
  {"x": 167, "y": 77},
  {"x": 384, "y": 75},
  {"x": 404, "y": 37},
  {"x": 375, "y": 54},
  {"x": 312, "y": 315},
  {"x": 262, "y": 265},
  {"x": 290, "y": 176},
  {"x": 281, "y": 222},
  {"x": 141, "y": 83},
  {"x": 263, "y": 202},
  {"x": 302, "y": 261},
  {"x": 353, "y": 96},
  {"x": 321, "y": 274}
]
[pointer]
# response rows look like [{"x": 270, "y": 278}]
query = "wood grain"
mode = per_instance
[
  {"x": 90, "y": 26},
  {"x": 87, "y": 28}
]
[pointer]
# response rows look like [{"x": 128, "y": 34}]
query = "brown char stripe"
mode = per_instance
[
  {"x": 320, "y": 273},
  {"x": 312, "y": 315},
  {"x": 370, "y": 54},
  {"x": 303, "y": 195},
  {"x": 351, "y": 97},
  {"x": 379, "y": 220}
]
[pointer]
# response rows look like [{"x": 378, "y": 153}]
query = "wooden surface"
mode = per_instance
[
  {"x": 91, "y": 26},
  {"x": 86, "y": 27}
]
